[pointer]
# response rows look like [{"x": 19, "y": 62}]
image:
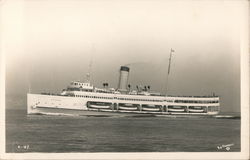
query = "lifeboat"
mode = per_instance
[
  {"x": 197, "y": 109},
  {"x": 128, "y": 106},
  {"x": 176, "y": 108},
  {"x": 152, "y": 108},
  {"x": 99, "y": 105}
]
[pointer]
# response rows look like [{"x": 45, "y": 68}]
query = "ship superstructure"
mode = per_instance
[{"x": 82, "y": 98}]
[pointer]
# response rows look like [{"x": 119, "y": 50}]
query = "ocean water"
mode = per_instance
[{"x": 55, "y": 134}]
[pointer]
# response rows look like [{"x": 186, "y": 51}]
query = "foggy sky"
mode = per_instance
[{"x": 47, "y": 44}]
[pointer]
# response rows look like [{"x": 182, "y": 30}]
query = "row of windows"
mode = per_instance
[
  {"x": 79, "y": 89},
  {"x": 192, "y": 101},
  {"x": 193, "y": 96},
  {"x": 151, "y": 100},
  {"x": 93, "y": 97},
  {"x": 169, "y": 101},
  {"x": 82, "y": 84},
  {"x": 73, "y": 89}
]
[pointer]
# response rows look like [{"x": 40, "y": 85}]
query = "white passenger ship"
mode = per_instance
[{"x": 82, "y": 98}]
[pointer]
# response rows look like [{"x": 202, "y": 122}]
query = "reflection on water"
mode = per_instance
[{"x": 43, "y": 133}]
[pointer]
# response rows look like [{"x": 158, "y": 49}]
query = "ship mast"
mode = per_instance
[
  {"x": 88, "y": 75},
  {"x": 30, "y": 67},
  {"x": 29, "y": 86},
  {"x": 169, "y": 64},
  {"x": 89, "y": 72}
]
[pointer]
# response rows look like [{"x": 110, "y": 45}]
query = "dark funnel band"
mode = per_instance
[{"x": 124, "y": 68}]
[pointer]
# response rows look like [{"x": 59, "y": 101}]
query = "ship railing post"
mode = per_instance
[
  {"x": 140, "y": 106},
  {"x": 117, "y": 106},
  {"x": 112, "y": 107},
  {"x": 87, "y": 105},
  {"x": 187, "y": 109}
]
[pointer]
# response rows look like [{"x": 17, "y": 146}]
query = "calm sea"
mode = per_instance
[{"x": 42, "y": 133}]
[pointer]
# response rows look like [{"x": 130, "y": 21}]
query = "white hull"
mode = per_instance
[{"x": 37, "y": 103}]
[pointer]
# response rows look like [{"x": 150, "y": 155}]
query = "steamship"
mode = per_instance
[{"x": 82, "y": 98}]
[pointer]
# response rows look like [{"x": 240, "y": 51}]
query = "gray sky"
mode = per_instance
[{"x": 50, "y": 43}]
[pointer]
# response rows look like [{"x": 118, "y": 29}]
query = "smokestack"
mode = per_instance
[{"x": 123, "y": 80}]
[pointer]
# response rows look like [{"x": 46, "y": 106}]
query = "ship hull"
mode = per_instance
[
  {"x": 68, "y": 105},
  {"x": 76, "y": 112}
]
